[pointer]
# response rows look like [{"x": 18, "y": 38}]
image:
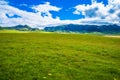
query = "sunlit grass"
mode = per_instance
[
  {"x": 12, "y": 31},
  {"x": 40, "y": 56}
]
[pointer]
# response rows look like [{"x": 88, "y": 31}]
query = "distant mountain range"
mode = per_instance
[
  {"x": 70, "y": 28},
  {"x": 20, "y": 28},
  {"x": 85, "y": 28}
]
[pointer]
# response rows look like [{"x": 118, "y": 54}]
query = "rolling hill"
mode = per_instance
[
  {"x": 85, "y": 28},
  {"x": 20, "y": 28},
  {"x": 106, "y": 29}
]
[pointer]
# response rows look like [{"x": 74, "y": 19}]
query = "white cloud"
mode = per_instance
[
  {"x": 45, "y": 7},
  {"x": 3, "y": 2},
  {"x": 109, "y": 13},
  {"x": 96, "y": 13},
  {"x": 29, "y": 18}
]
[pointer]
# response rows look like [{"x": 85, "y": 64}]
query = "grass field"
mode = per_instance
[{"x": 41, "y": 56}]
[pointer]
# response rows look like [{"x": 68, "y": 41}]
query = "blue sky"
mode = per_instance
[
  {"x": 66, "y": 5},
  {"x": 41, "y": 13}
]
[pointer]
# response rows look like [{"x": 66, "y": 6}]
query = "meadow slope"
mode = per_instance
[{"x": 52, "y": 56}]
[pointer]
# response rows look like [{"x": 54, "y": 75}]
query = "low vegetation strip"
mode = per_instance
[
  {"x": 113, "y": 36},
  {"x": 52, "y": 56}
]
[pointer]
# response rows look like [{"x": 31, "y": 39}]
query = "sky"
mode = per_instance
[{"x": 47, "y": 13}]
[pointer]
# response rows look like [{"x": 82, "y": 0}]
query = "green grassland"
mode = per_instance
[
  {"x": 13, "y": 31},
  {"x": 41, "y": 56}
]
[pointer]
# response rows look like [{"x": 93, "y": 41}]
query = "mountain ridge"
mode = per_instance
[
  {"x": 85, "y": 28},
  {"x": 112, "y": 28},
  {"x": 20, "y": 28}
]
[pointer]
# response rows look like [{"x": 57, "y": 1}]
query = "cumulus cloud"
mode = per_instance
[
  {"x": 43, "y": 10},
  {"x": 95, "y": 13},
  {"x": 11, "y": 16},
  {"x": 108, "y": 13},
  {"x": 45, "y": 7},
  {"x": 3, "y": 2}
]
